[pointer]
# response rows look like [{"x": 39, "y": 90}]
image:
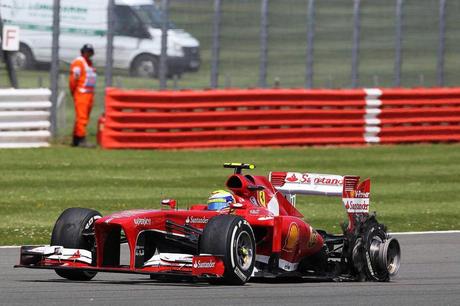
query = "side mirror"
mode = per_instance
[{"x": 169, "y": 202}]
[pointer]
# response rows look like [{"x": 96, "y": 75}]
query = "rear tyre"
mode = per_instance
[
  {"x": 232, "y": 238},
  {"x": 375, "y": 256},
  {"x": 145, "y": 66},
  {"x": 75, "y": 229}
]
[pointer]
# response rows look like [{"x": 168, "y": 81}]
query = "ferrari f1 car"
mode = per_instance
[{"x": 260, "y": 234}]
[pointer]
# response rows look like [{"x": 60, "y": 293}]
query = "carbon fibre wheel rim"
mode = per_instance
[{"x": 244, "y": 250}]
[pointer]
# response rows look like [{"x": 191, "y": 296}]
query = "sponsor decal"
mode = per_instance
[
  {"x": 91, "y": 221},
  {"x": 142, "y": 221},
  {"x": 265, "y": 218},
  {"x": 315, "y": 179},
  {"x": 293, "y": 178},
  {"x": 254, "y": 212},
  {"x": 204, "y": 264},
  {"x": 240, "y": 274},
  {"x": 253, "y": 200},
  {"x": 327, "y": 181},
  {"x": 356, "y": 205},
  {"x": 292, "y": 238},
  {"x": 261, "y": 196},
  {"x": 139, "y": 250},
  {"x": 360, "y": 194},
  {"x": 196, "y": 220},
  {"x": 75, "y": 255}
]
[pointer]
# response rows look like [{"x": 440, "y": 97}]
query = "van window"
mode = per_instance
[
  {"x": 151, "y": 16},
  {"x": 127, "y": 23}
]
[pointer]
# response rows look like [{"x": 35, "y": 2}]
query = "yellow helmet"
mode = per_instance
[{"x": 220, "y": 199}]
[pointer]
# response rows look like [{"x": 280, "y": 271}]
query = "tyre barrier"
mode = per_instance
[
  {"x": 25, "y": 118},
  {"x": 144, "y": 119}
]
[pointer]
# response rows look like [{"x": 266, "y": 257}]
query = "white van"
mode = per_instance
[{"x": 137, "y": 40}]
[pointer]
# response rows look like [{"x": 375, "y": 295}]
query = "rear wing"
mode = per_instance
[
  {"x": 293, "y": 183},
  {"x": 355, "y": 194}
]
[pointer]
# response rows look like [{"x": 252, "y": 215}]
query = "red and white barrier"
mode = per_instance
[
  {"x": 420, "y": 115},
  {"x": 24, "y": 118},
  {"x": 277, "y": 117}
]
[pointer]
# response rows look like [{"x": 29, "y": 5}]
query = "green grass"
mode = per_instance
[{"x": 413, "y": 187}]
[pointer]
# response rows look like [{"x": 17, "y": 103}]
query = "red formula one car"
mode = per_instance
[{"x": 259, "y": 234}]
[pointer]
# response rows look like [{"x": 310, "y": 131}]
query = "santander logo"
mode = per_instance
[
  {"x": 200, "y": 220},
  {"x": 292, "y": 178},
  {"x": 204, "y": 264}
]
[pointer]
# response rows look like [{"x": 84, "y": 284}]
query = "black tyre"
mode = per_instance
[
  {"x": 24, "y": 58},
  {"x": 231, "y": 237},
  {"x": 145, "y": 65},
  {"x": 73, "y": 229}
]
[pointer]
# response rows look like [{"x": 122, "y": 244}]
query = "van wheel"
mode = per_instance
[
  {"x": 232, "y": 238},
  {"x": 145, "y": 66},
  {"x": 74, "y": 229},
  {"x": 23, "y": 58}
]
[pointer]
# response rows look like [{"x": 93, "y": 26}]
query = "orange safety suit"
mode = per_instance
[{"x": 82, "y": 82}]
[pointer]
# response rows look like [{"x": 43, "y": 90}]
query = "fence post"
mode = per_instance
[
  {"x": 398, "y": 42},
  {"x": 263, "y": 43},
  {"x": 164, "y": 44},
  {"x": 215, "y": 44},
  {"x": 356, "y": 40},
  {"x": 442, "y": 40},
  {"x": 310, "y": 43},
  {"x": 109, "y": 50},
  {"x": 54, "y": 73}
]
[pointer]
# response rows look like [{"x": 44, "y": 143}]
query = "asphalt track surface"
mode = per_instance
[{"x": 429, "y": 275}]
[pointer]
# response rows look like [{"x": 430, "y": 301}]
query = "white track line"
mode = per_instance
[
  {"x": 395, "y": 233},
  {"x": 427, "y": 232}
]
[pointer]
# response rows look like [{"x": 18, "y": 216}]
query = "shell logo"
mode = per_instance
[
  {"x": 313, "y": 238},
  {"x": 292, "y": 238}
]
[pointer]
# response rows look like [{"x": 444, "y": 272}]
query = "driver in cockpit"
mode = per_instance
[{"x": 220, "y": 199}]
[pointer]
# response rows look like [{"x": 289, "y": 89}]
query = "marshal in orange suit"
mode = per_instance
[{"x": 82, "y": 82}]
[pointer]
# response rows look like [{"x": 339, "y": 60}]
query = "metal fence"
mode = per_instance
[
  {"x": 268, "y": 43},
  {"x": 302, "y": 43},
  {"x": 327, "y": 43}
]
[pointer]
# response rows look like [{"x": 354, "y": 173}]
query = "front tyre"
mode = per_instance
[
  {"x": 23, "y": 58},
  {"x": 75, "y": 229},
  {"x": 232, "y": 238}
]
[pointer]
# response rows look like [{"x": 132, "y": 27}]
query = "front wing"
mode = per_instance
[{"x": 58, "y": 257}]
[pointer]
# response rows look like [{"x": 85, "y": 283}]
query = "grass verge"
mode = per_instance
[{"x": 414, "y": 187}]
